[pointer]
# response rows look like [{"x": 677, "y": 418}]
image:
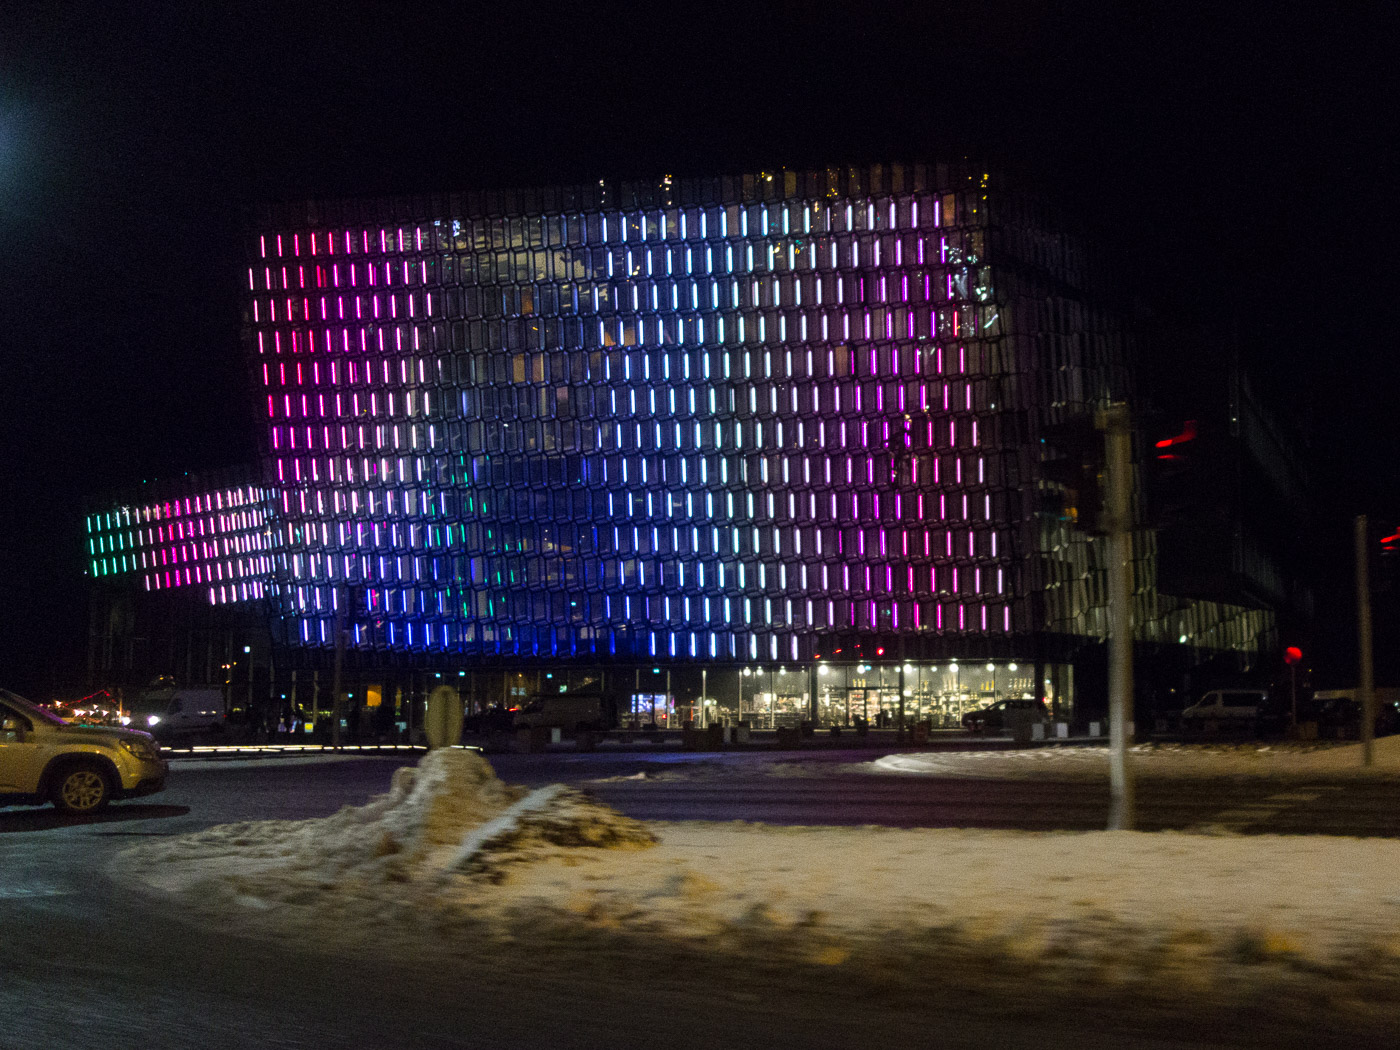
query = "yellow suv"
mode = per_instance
[{"x": 79, "y": 768}]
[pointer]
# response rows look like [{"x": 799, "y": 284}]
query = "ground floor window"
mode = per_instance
[{"x": 883, "y": 695}]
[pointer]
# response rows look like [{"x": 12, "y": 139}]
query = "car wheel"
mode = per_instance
[{"x": 81, "y": 789}]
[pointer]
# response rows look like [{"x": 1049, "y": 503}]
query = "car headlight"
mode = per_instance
[
  {"x": 152, "y": 720},
  {"x": 141, "y": 749}
]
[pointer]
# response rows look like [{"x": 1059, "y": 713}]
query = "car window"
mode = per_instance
[
  {"x": 30, "y": 711},
  {"x": 13, "y": 722}
]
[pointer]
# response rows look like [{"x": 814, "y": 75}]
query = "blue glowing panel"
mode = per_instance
[{"x": 714, "y": 431}]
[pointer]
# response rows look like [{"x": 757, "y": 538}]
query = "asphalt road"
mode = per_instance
[
  {"x": 735, "y": 787},
  {"x": 83, "y": 962}
]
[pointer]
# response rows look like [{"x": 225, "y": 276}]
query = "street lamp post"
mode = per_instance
[{"x": 1363, "y": 627}]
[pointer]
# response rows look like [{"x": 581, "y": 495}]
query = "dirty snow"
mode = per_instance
[
  {"x": 452, "y": 862},
  {"x": 1283, "y": 761},
  {"x": 418, "y": 827},
  {"x": 1275, "y": 760}
]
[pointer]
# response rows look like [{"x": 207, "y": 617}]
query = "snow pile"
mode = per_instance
[
  {"x": 539, "y": 826},
  {"x": 1283, "y": 761},
  {"x": 417, "y": 830},
  {"x": 671, "y": 770}
]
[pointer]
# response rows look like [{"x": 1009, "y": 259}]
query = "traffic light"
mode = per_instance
[
  {"x": 1072, "y": 462},
  {"x": 1390, "y": 541},
  {"x": 1385, "y": 573},
  {"x": 1177, "y": 446},
  {"x": 1181, "y": 482}
]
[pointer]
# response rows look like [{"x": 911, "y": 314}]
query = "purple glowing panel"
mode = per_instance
[{"x": 716, "y": 431}]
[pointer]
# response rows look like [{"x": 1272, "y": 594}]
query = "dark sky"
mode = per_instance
[{"x": 1238, "y": 160}]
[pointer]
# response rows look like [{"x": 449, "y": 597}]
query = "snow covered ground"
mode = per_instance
[
  {"x": 1280, "y": 761},
  {"x": 453, "y": 862},
  {"x": 1269, "y": 761}
]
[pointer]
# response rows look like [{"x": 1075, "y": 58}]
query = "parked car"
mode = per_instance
[
  {"x": 79, "y": 768},
  {"x": 492, "y": 720},
  {"x": 564, "y": 712},
  {"x": 1004, "y": 714},
  {"x": 1341, "y": 717}
]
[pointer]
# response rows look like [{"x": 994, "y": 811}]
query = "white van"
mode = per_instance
[
  {"x": 1226, "y": 707},
  {"x": 170, "y": 713}
]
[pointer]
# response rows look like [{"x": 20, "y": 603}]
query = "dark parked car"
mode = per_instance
[
  {"x": 1005, "y": 713},
  {"x": 1341, "y": 717},
  {"x": 492, "y": 720}
]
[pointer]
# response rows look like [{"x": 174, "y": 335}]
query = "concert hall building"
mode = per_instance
[{"x": 770, "y": 444}]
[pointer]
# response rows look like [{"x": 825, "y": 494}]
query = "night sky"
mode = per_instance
[{"x": 1237, "y": 160}]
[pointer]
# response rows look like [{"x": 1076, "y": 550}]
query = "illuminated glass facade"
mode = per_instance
[
  {"x": 214, "y": 541},
  {"x": 741, "y": 419},
  {"x": 707, "y": 420},
  {"x": 789, "y": 423}
]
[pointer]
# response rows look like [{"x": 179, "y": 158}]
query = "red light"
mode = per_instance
[
  {"x": 1292, "y": 655},
  {"x": 1391, "y": 542},
  {"x": 879, "y": 652},
  {"x": 1188, "y": 433}
]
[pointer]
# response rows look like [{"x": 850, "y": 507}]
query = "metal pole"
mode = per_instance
[
  {"x": 902, "y": 680},
  {"x": 1363, "y": 626},
  {"x": 340, "y": 595},
  {"x": 1293, "y": 690},
  {"x": 1117, "y": 468},
  {"x": 704, "y": 695}
]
